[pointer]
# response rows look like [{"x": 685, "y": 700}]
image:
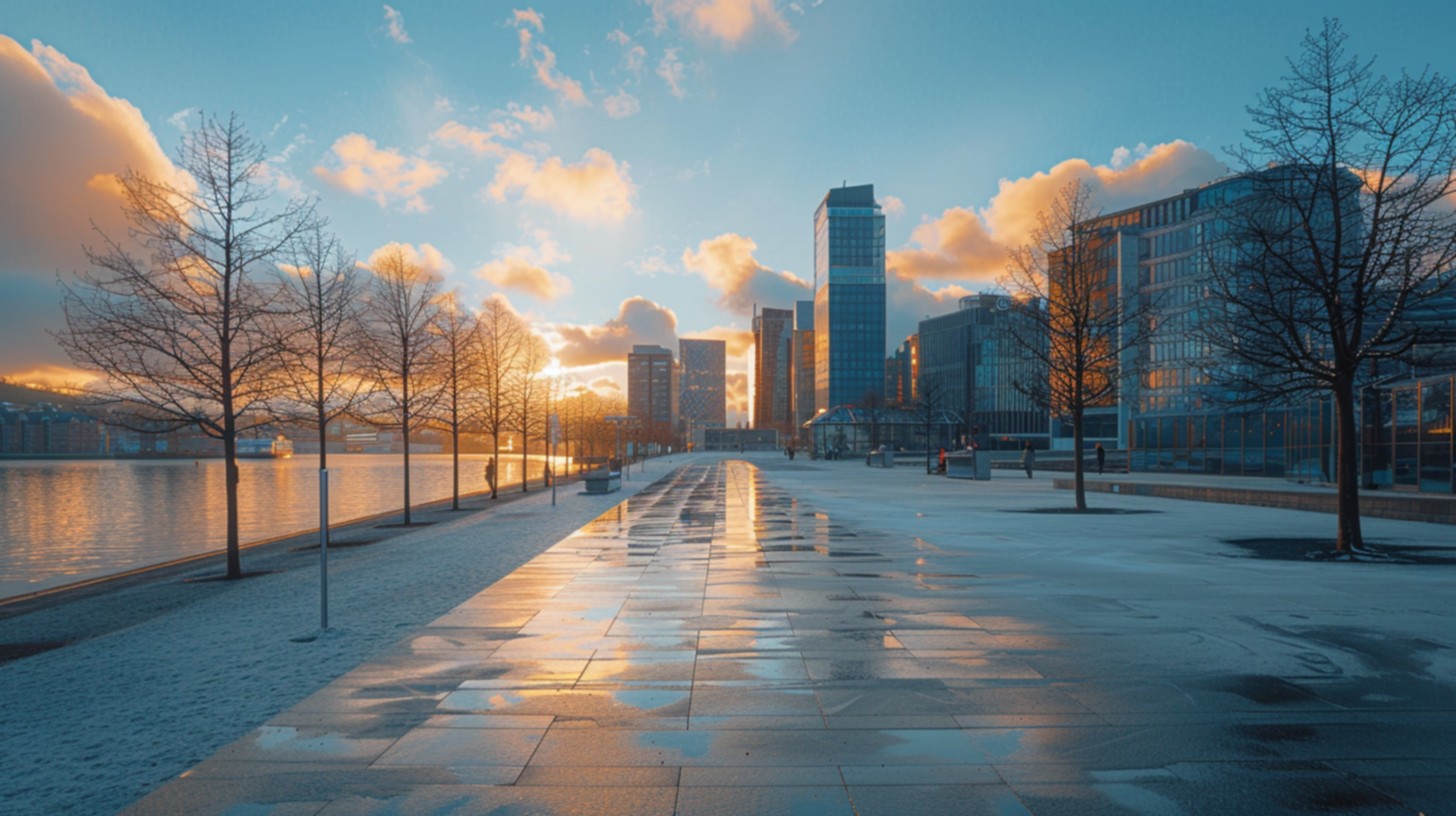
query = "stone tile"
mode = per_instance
[
  {"x": 452, "y": 747},
  {"x": 764, "y": 801}
]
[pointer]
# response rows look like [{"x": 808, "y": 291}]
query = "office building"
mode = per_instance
[
  {"x": 849, "y": 297},
  {"x": 802, "y": 387},
  {"x": 902, "y": 373},
  {"x": 773, "y": 331},
  {"x": 652, "y": 393},
  {"x": 702, "y": 384}
]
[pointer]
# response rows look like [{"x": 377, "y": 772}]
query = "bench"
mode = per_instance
[
  {"x": 968, "y": 465},
  {"x": 603, "y": 481}
]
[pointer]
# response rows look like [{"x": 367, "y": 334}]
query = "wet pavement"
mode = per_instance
[{"x": 737, "y": 640}]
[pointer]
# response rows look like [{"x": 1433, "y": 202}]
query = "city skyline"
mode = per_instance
[{"x": 637, "y": 173}]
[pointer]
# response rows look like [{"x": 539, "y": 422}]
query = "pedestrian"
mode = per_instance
[
  {"x": 942, "y": 460},
  {"x": 547, "y": 476},
  {"x": 1101, "y": 458},
  {"x": 490, "y": 476},
  {"x": 1028, "y": 458}
]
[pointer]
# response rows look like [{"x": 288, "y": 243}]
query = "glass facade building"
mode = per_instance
[
  {"x": 849, "y": 297},
  {"x": 652, "y": 393},
  {"x": 802, "y": 387},
  {"x": 702, "y": 382},
  {"x": 773, "y": 331}
]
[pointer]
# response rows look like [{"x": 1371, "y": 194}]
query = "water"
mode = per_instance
[{"x": 66, "y": 521}]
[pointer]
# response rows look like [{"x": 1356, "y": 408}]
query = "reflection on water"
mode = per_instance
[{"x": 65, "y": 521}]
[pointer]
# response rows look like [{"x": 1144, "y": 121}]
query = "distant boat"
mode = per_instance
[{"x": 280, "y": 447}]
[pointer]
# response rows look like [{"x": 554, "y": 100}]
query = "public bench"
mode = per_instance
[
  {"x": 968, "y": 465},
  {"x": 603, "y": 481}
]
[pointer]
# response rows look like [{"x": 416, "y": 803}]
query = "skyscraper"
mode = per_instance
[
  {"x": 772, "y": 339},
  {"x": 849, "y": 297},
  {"x": 702, "y": 383},
  {"x": 802, "y": 387},
  {"x": 652, "y": 392}
]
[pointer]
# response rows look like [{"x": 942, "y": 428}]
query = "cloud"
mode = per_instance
[
  {"x": 527, "y": 17},
  {"x": 533, "y": 118},
  {"x": 730, "y": 22},
  {"x": 522, "y": 267},
  {"x": 605, "y": 386},
  {"x": 671, "y": 70},
  {"x": 638, "y": 320},
  {"x": 180, "y": 118},
  {"x": 908, "y": 302},
  {"x": 394, "y": 25},
  {"x": 543, "y": 60},
  {"x": 597, "y": 189},
  {"x": 737, "y": 395},
  {"x": 363, "y": 168},
  {"x": 430, "y": 260},
  {"x": 481, "y": 142},
  {"x": 737, "y": 340},
  {"x": 64, "y": 140},
  {"x": 633, "y": 56},
  {"x": 621, "y": 105},
  {"x": 893, "y": 206},
  {"x": 973, "y": 245},
  {"x": 728, "y": 265},
  {"x": 53, "y": 377}
]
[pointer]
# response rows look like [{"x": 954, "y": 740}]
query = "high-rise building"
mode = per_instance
[
  {"x": 773, "y": 331},
  {"x": 702, "y": 384},
  {"x": 803, "y": 370},
  {"x": 902, "y": 373},
  {"x": 849, "y": 297},
  {"x": 652, "y": 392},
  {"x": 973, "y": 365}
]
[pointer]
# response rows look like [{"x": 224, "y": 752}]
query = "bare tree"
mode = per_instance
[
  {"x": 528, "y": 392},
  {"x": 1350, "y": 225},
  {"x": 929, "y": 399},
  {"x": 401, "y": 353},
  {"x": 176, "y": 318},
  {"x": 321, "y": 291},
  {"x": 502, "y": 337},
  {"x": 459, "y": 333},
  {"x": 1081, "y": 334}
]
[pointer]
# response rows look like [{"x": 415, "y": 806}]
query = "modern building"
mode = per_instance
[
  {"x": 849, "y": 297},
  {"x": 802, "y": 386},
  {"x": 773, "y": 331},
  {"x": 702, "y": 385},
  {"x": 652, "y": 393},
  {"x": 902, "y": 373},
  {"x": 47, "y": 430},
  {"x": 973, "y": 364}
]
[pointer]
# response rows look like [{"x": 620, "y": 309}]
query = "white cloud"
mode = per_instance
[
  {"x": 363, "y": 168},
  {"x": 528, "y": 17},
  {"x": 671, "y": 69},
  {"x": 597, "y": 189},
  {"x": 535, "y": 119},
  {"x": 180, "y": 118},
  {"x": 481, "y": 142},
  {"x": 621, "y": 105},
  {"x": 394, "y": 25},
  {"x": 893, "y": 206}
]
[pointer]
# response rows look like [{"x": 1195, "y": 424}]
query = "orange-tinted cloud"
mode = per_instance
[
  {"x": 543, "y": 60},
  {"x": 638, "y": 320},
  {"x": 597, "y": 189},
  {"x": 730, "y": 22},
  {"x": 727, "y": 263},
  {"x": 482, "y": 142},
  {"x": 973, "y": 245},
  {"x": 430, "y": 260},
  {"x": 522, "y": 267},
  {"x": 672, "y": 71},
  {"x": 737, "y": 341},
  {"x": 383, "y": 174},
  {"x": 737, "y": 393},
  {"x": 53, "y": 378},
  {"x": 64, "y": 139},
  {"x": 621, "y": 105}
]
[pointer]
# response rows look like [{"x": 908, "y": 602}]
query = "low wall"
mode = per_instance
[{"x": 1402, "y": 506}]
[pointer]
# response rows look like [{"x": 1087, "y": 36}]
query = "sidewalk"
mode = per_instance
[{"x": 781, "y": 637}]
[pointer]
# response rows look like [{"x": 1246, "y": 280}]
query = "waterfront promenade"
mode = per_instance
[{"x": 767, "y": 636}]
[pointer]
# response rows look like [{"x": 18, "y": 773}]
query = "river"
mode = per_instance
[{"x": 67, "y": 521}]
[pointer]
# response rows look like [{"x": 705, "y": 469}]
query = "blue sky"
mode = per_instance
[{"x": 635, "y": 171}]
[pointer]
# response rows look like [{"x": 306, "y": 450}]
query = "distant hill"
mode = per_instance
[{"x": 22, "y": 395}]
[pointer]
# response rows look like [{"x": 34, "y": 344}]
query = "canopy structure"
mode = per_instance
[{"x": 848, "y": 430}]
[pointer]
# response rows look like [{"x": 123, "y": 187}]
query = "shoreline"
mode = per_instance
[{"x": 187, "y": 562}]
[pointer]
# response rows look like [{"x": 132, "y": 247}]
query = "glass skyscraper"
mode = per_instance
[{"x": 849, "y": 298}]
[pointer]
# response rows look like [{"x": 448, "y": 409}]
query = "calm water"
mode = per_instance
[{"x": 65, "y": 521}]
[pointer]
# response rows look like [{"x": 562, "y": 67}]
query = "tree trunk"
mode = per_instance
[
  {"x": 455, "y": 466},
  {"x": 406, "y": 468},
  {"x": 523, "y": 461},
  {"x": 230, "y": 468},
  {"x": 1078, "y": 438},
  {"x": 495, "y": 459},
  {"x": 1347, "y": 471}
]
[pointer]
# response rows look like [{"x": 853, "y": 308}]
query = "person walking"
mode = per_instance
[
  {"x": 1028, "y": 458},
  {"x": 1101, "y": 458},
  {"x": 490, "y": 476}
]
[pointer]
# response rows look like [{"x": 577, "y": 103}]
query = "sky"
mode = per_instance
[{"x": 639, "y": 171}]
